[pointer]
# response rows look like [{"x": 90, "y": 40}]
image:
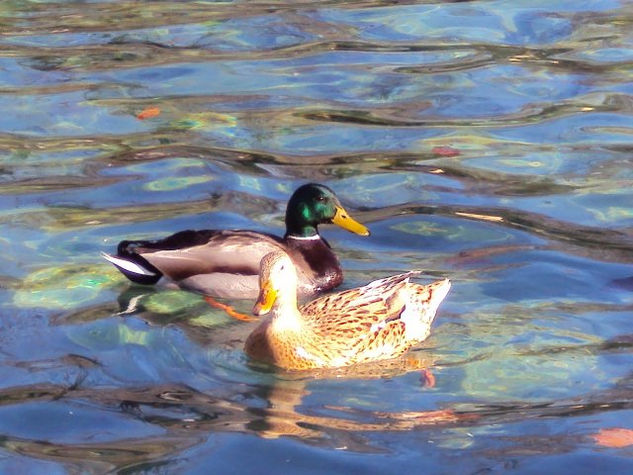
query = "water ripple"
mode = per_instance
[{"x": 484, "y": 141}]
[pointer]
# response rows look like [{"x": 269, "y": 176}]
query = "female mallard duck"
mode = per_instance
[
  {"x": 224, "y": 263},
  {"x": 381, "y": 320}
]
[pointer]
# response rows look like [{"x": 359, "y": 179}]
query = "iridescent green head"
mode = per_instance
[{"x": 314, "y": 204}]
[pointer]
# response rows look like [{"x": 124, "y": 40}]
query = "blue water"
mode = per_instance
[{"x": 488, "y": 142}]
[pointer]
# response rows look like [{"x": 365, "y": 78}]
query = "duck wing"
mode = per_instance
[
  {"x": 353, "y": 312},
  {"x": 380, "y": 320},
  {"x": 190, "y": 253}
]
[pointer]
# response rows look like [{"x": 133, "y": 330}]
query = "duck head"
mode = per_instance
[{"x": 313, "y": 204}]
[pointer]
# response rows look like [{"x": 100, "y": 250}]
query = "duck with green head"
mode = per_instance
[{"x": 225, "y": 263}]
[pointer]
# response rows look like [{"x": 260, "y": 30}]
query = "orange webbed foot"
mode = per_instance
[{"x": 229, "y": 310}]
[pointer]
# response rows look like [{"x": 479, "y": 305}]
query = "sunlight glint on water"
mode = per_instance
[{"x": 482, "y": 141}]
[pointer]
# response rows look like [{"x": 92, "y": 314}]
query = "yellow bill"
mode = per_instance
[
  {"x": 342, "y": 219},
  {"x": 265, "y": 300}
]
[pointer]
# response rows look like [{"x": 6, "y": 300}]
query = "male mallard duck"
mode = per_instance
[
  {"x": 381, "y": 320},
  {"x": 224, "y": 263}
]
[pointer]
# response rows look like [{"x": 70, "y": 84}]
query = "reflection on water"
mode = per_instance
[{"x": 482, "y": 141}]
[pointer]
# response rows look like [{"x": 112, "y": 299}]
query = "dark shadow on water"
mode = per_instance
[{"x": 625, "y": 283}]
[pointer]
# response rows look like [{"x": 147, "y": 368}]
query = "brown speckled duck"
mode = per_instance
[
  {"x": 223, "y": 263},
  {"x": 380, "y": 320}
]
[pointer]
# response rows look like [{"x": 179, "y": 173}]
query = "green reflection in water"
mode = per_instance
[
  {"x": 613, "y": 213},
  {"x": 205, "y": 121},
  {"x": 168, "y": 306},
  {"x": 504, "y": 374},
  {"x": 64, "y": 287},
  {"x": 419, "y": 228},
  {"x": 454, "y": 233},
  {"x": 208, "y": 320},
  {"x": 523, "y": 353},
  {"x": 175, "y": 183},
  {"x": 107, "y": 335}
]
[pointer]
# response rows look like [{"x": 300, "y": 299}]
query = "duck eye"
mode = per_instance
[{"x": 320, "y": 198}]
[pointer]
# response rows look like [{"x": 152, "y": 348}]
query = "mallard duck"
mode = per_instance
[
  {"x": 380, "y": 320},
  {"x": 223, "y": 263}
]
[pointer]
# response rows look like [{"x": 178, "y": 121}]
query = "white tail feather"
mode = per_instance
[{"x": 127, "y": 265}]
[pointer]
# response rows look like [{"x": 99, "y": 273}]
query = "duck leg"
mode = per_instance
[{"x": 229, "y": 310}]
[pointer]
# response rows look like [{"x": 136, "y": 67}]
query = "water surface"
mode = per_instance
[{"x": 484, "y": 141}]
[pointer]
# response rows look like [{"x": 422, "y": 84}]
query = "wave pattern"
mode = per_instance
[{"x": 486, "y": 141}]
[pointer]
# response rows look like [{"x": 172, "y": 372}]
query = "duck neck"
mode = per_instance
[
  {"x": 286, "y": 315},
  {"x": 301, "y": 230},
  {"x": 300, "y": 222}
]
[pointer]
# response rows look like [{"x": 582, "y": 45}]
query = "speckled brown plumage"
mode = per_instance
[{"x": 380, "y": 320}]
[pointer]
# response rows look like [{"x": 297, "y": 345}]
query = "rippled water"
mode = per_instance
[{"x": 486, "y": 141}]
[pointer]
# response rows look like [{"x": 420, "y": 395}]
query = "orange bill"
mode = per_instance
[{"x": 266, "y": 299}]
